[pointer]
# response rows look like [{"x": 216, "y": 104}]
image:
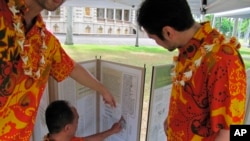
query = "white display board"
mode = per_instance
[
  {"x": 87, "y": 105},
  {"x": 159, "y": 102},
  {"x": 126, "y": 83}
]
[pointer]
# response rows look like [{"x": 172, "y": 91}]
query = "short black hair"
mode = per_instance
[
  {"x": 57, "y": 115},
  {"x": 153, "y": 15}
]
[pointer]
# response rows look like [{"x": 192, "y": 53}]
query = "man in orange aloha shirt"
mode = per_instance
[
  {"x": 29, "y": 54},
  {"x": 62, "y": 121},
  {"x": 209, "y": 77}
]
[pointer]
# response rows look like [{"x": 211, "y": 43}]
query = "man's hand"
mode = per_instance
[
  {"x": 85, "y": 78},
  {"x": 108, "y": 98},
  {"x": 116, "y": 127}
]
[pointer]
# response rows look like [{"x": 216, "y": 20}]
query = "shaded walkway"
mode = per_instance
[{"x": 108, "y": 40}]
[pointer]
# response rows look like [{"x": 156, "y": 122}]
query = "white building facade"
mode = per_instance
[{"x": 87, "y": 20}]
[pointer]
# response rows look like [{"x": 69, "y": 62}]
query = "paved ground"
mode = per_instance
[{"x": 111, "y": 40}]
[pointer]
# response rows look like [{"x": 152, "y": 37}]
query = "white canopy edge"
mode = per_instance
[
  {"x": 212, "y": 7},
  {"x": 238, "y": 13},
  {"x": 96, "y": 4},
  {"x": 216, "y": 6}
]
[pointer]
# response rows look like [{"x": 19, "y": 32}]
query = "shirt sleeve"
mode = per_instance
[
  {"x": 62, "y": 64},
  {"x": 227, "y": 89}
]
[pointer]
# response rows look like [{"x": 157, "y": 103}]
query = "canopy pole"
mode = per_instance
[
  {"x": 203, "y": 10},
  {"x": 69, "y": 35},
  {"x": 137, "y": 36},
  {"x": 235, "y": 28}
]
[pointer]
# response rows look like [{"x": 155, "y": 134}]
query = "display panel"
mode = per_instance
[
  {"x": 159, "y": 102},
  {"x": 126, "y": 83}
]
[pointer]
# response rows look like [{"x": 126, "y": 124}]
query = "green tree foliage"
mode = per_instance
[
  {"x": 209, "y": 17},
  {"x": 226, "y": 25},
  {"x": 245, "y": 25}
]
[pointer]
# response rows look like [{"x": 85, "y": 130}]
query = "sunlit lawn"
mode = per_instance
[{"x": 245, "y": 52}]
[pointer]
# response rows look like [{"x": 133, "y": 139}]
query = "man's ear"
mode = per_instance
[
  {"x": 67, "y": 127},
  {"x": 168, "y": 32}
]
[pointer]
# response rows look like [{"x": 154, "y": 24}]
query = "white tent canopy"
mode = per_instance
[
  {"x": 197, "y": 6},
  {"x": 238, "y": 13},
  {"x": 96, "y": 4},
  {"x": 215, "y": 6},
  {"x": 210, "y": 6}
]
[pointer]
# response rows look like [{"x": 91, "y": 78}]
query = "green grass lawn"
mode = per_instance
[
  {"x": 147, "y": 56},
  {"x": 245, "y": 52}
]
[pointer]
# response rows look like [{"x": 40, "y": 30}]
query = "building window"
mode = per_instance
[
  {"x": 110, "y": 30},
  {"x": 126, "y": 31},
  {"x": 118, "y": 31},
  {"x": 118, "y": 14},
  {"x": 87, "y": 29},
  {"x": 57, "y": 12},
  {"x": 56, "y": 28},
  {"x": 110, "y": 14},
  {"x": 100, "y": 29},
  {"x": 87, "y": 11},
  {"x": 100, "y": 13},
  {"x": 126, "y": 15}
]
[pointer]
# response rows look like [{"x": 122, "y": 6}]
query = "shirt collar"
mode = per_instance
[
  {"x": 189, "y": 50},
  {"x": 39, "y": 22}
]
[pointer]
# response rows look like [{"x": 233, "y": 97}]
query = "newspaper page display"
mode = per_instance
[
  {"x": 126, "y": 84},
  {"x": 40, "y": 128},
  {"x": 159, "y": 101}
]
